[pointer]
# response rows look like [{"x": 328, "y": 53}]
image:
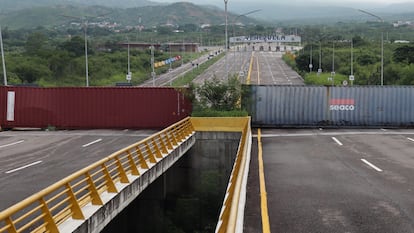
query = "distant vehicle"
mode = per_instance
[{"x": 261, "y": 48}]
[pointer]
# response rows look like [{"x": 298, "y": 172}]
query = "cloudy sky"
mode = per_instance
[{"x": 336, "y": 2}]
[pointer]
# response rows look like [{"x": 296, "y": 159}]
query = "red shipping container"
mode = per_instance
[{"x": 92, "y": 107}]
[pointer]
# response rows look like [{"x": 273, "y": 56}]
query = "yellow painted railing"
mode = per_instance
[
  {"x": 46, "y": 210},
  {"x": 233, "y": 206}
]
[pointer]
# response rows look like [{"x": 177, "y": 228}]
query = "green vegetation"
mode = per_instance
[
  {"x": 45, "y": 59},
  {"x": 217, "y": 98},
  {"x": 333, "y": 46},
  {"x": 323, "y": 79}
]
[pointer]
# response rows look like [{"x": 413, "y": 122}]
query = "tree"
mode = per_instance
[
  {"x": 29, "y": 71},
  {"x": 404, "y": 54},
  {"x": 220, "y": 95},
  {"x": 76, "y": 46},
  {"x": 35, "y": 43},
  {"x": 164, "y": 30}
]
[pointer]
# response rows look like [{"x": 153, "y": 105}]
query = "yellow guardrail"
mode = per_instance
[
  {"x": 46, "y": 210},
  {"x": 232, "y": 211}
]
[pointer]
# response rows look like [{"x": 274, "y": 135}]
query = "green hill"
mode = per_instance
[{"x": 175, "y": 14}]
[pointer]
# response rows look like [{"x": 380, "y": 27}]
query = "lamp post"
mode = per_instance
[
  {"x": 85, "y": 21},
  {"x": 226, "y": 37},
  {"x": 352, "y": 77},
  {"x": 332, "y": 78},
  {"x": 233, "y": 24},
  {"x": 3, "y": 60},
  {"x": 310, "y": 60},
  {"x": 152, "y": 65},
  {"x": 86, "y": 55},
  {"x": 382, "y": 43},
  {"x": 320, "y": 58},
  {"x": 129, "y": 74}
]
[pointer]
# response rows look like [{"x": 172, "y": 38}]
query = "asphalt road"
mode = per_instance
[
  {"x": 166, "y": 79},
  {"x": 234, "y": 63},
  {"x": 32, "y": 160},
  {"x": 268, "y": 68},
  {"x": 334, "y": 181}
]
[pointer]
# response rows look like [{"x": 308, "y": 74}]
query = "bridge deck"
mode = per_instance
[{"x": 333, "y": 181}]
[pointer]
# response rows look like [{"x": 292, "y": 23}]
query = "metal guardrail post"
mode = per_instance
[
  {"x": 132, "y": 165},
  {"x": 122, "y": 173},
  {"x": 50, "y": 223},
  {"x": 96, "y": 198},
  {"x": 10, "y": 226},
  {"x": 163, "y": 147},
  {"x": 158, "y": 153},
  {"x": 75, "y": 207},
  {"x": 150, "y": 154},
  {"x": 143, "y": 162},
  {"x": 111, "y": 188}
]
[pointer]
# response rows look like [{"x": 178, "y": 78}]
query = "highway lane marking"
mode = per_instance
[
  {"x": 371, "y": 165},
  {"x": 337, "y": 141},
  {"x": 250, "y": 69},
  {"x": 384, "y": 130},
  {"x": 411, "y": 139},
  {"x": 263, "y": 193},
  {"x": 258, "y": 72},
  {"x": 12, "y": 144},
  {"x": 330, "y": 134},
  {"x": 91, "y": 143},
  {"x": 23, "y": 167}
]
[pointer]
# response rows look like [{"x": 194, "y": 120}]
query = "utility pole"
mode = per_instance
[
  {"x": 3, "y": 60},
  {"x": 129, "y": 74},
  {"x": 152, "y": 65},
  {"x": 382, "y": 43},
  {"x": 86, "y": 55},
  {"x": 85, "y": 22},
  {"x": 226, "y": 36}
]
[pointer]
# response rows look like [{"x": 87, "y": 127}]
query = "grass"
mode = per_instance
[{"x": 322, "y": 79}]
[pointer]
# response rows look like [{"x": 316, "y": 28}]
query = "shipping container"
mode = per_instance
[
  {"x": 285, "y": 106},
  {"x": 92, "y": 107}
]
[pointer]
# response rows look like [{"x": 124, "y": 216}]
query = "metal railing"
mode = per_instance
[
  {"x": 232, "y": 211},
  {"x": 231, "y": 215},
  {"x": 46, "y": 210}
]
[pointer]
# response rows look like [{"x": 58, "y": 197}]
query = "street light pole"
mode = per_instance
[
  {"x": 234, "y": 34},
  {"x": 382, "y": 43},
  {"x": 226, "y": 38},
  {"x": 310, "y": 60},
  {"x": 382, "y": 58},
  {"x": 129, "y": 74},
  {"x": 333, "y": 56},
  {"x": 86, "y": 55},
  {"x": 320, "y": 58},
  {"x": 152, "y": 65},
  {"x": 352, "y": 77},
  {"x": 3, "y": 60}
]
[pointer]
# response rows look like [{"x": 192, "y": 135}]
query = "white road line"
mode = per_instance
[
  {"x": 91, "y": 143},
  {"x": 23, "y": 167},
  {"x": 12, "y": 144},
  {"x": 337, "y": 141},
  {"x": 411, "y": 139},
  {"x": 371, "y": 165},
  {"x": 384, "y": 130}
]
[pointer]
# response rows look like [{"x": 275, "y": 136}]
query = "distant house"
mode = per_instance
[{"x": 402, "y": 42}]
